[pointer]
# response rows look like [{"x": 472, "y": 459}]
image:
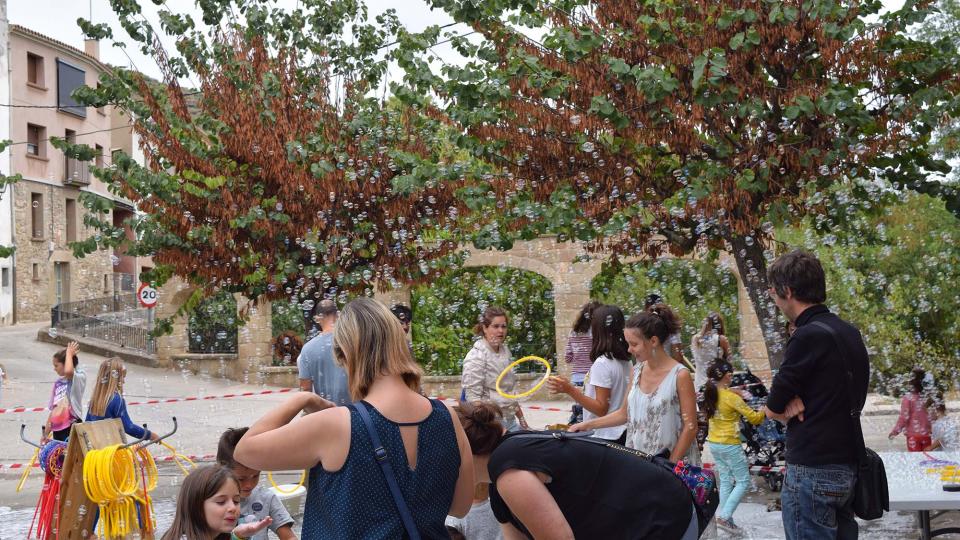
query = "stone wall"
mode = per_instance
[
  {"x": 35, "y": 297},
  {"x": 254, "y": 339}
]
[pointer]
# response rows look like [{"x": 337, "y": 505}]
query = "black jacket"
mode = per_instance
[{"x": 813, "y": 369}]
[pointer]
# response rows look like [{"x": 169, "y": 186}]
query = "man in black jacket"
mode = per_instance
[{"x": 813, "y": 394}]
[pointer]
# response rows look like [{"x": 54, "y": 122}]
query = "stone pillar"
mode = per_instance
[
  {"x": 254, "y": 340},
  {"x": 571, "y": 290},
  {"x": 169, "y": 299}
]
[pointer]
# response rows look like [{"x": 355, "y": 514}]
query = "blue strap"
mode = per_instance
[{"x": 380, "y": 455}]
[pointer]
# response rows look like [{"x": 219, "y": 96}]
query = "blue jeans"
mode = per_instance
[
  {"x": 576, "y": 412},
  {"x": 734, "y": 476},
  {"x": 818, "y": 502}
]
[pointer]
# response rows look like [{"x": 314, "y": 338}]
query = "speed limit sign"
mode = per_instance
[{"x": 147, "y": 295}]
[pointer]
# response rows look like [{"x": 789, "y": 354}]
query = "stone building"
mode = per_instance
[{"x": 47, "y": 210}]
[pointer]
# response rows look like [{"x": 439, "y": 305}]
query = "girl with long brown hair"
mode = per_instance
[
  {"x": 107, "y": 400},
  {"x": 208, "y": 508}
]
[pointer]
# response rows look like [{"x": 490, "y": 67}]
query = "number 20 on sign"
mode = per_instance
[{"x": 147, "y": 295}]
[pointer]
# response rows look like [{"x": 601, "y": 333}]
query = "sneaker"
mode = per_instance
[{"x": 728, "y": 525}]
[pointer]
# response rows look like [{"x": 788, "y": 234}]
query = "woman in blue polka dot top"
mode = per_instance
[{"x": 348, "y": 496}]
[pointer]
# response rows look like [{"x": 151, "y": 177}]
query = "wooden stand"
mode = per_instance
[{"x": 85, "y": 436}]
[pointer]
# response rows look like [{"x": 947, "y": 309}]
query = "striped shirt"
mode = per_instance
[{"x": 578, "y": 350}]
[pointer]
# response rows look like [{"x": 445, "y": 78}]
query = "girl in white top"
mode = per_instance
[
  {"x": 609, "y": 377},
  {"x": 708, "y": 345},
  {"x": 661, "y": 409},
  {"x": 486, "y": 361}
]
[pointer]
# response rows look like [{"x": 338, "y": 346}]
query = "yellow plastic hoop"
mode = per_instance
[
  {"x": 179, "y": 458},
  {"x": 513, "y": 365},
  {"x": 26, "y": 471},
  {"x": 303, "y": 477}
]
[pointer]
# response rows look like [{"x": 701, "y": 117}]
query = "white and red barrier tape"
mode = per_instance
[
  {"x": 211, "y": 457},
  {"x": 167, "y": 400},
  {"x": 195, "y": 459}
]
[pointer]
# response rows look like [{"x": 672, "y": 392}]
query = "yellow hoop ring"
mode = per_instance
[
  {"x": 530, "y": 391},
  {"x": 303, "y": 477}
]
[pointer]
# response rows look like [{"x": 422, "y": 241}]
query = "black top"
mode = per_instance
[
  {"x": 814, "y": 370},
  {"x": 603, "y": 492}
]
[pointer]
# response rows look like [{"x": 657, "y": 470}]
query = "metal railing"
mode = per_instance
[
  {"x": 95, "y": 306},
  {"x": 116, "y": 319},
  {"x": 216, "y": 340},
  {"x": 76, "y": 172},
  {"x": 122, "y": 335}
]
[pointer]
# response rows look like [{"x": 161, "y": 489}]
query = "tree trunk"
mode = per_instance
[{"x": 752, "y": 266}]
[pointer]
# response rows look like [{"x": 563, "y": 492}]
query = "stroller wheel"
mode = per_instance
[{"x": 774, "y": 481}]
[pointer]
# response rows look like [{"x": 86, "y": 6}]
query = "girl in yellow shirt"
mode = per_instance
[{"x": 723, "y": 408}]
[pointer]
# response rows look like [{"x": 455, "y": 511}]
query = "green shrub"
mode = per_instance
[
  {"x": 445, "y": 311},
  {"x": 691, "y": 288}
]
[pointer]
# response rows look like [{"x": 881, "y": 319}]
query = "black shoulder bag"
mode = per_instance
[{"x": 870, "y": 495}]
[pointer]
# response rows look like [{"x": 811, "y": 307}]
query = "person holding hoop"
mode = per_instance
[
  {"x": 557, "y": 488},
  {"x": 484, "y": 365},
  {"x": 609, "y": 378},
  {"x": 392, "y": 462}
]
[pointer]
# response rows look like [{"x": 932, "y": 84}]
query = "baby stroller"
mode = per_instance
[{"x": 766, "y": 443}]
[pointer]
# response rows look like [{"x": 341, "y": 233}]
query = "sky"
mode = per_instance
[{"x": 58, "y": 19}]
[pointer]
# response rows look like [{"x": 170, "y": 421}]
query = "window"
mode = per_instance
[
  {"x": 35, "y": 69},
  {"x": 101, "y": 110},
  {"x": 71, "y": 225},
  {"x": 36, "y": 141},
  {"x": 106, "y": 283},
  {"x": 98, "y": 160},
  {"x": 69, "y": 78},
  {"x": 36, "y": 271},
  {"x": 5, "y": 277},
  {"x": 36, "y": 209}
]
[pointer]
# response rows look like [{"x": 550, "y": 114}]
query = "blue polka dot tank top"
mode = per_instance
[{"x": 355, "y": 502}]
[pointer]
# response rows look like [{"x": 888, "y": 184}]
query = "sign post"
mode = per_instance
[{"x": 147, "y": 296}]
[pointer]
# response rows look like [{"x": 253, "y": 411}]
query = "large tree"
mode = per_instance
[
  {"x": 943, "y": 27},
  {"x": 659, "y": 125},
  {"x": 283, "y": 173}
]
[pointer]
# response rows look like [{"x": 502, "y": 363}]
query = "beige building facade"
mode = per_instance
[{"x": 48, "y": 212}]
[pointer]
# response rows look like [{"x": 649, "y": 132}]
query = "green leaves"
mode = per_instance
[{"x": 716, "y": 60}]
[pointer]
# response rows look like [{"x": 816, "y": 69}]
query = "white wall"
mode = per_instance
[{"x": 6, "y": 200}]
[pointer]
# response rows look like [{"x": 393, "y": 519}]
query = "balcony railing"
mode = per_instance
[{"x": 76, "y": 172}]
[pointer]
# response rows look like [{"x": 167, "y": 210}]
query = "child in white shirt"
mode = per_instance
[{"x": 945, "y": 431}]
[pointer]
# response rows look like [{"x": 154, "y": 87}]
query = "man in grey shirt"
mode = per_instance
[{"x": 318, "y": 371}]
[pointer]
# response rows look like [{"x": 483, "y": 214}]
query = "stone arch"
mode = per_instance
[{"x": 571, "y": 272}]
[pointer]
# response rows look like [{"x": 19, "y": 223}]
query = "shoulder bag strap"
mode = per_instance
[
  {"x": 582, "y": 436},
  {"x": 380, "y": 455},
  {"x": 854, "y": 411}
]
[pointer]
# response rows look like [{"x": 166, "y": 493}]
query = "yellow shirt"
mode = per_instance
[{"x": 725, "y": 424}]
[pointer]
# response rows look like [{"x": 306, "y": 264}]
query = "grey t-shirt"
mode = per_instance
[
  {"x": 478, "y": 524},
  {"x": 316, "y": 363},
  {"x": 77, "y": 386},
  {"x": 262, "y": 503}
]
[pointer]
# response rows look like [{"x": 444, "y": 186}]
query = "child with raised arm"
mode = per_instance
[{"x": 66, "y": 398}]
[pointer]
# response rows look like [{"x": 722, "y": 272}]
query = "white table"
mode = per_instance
[{"x": 913, "y": 489}]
